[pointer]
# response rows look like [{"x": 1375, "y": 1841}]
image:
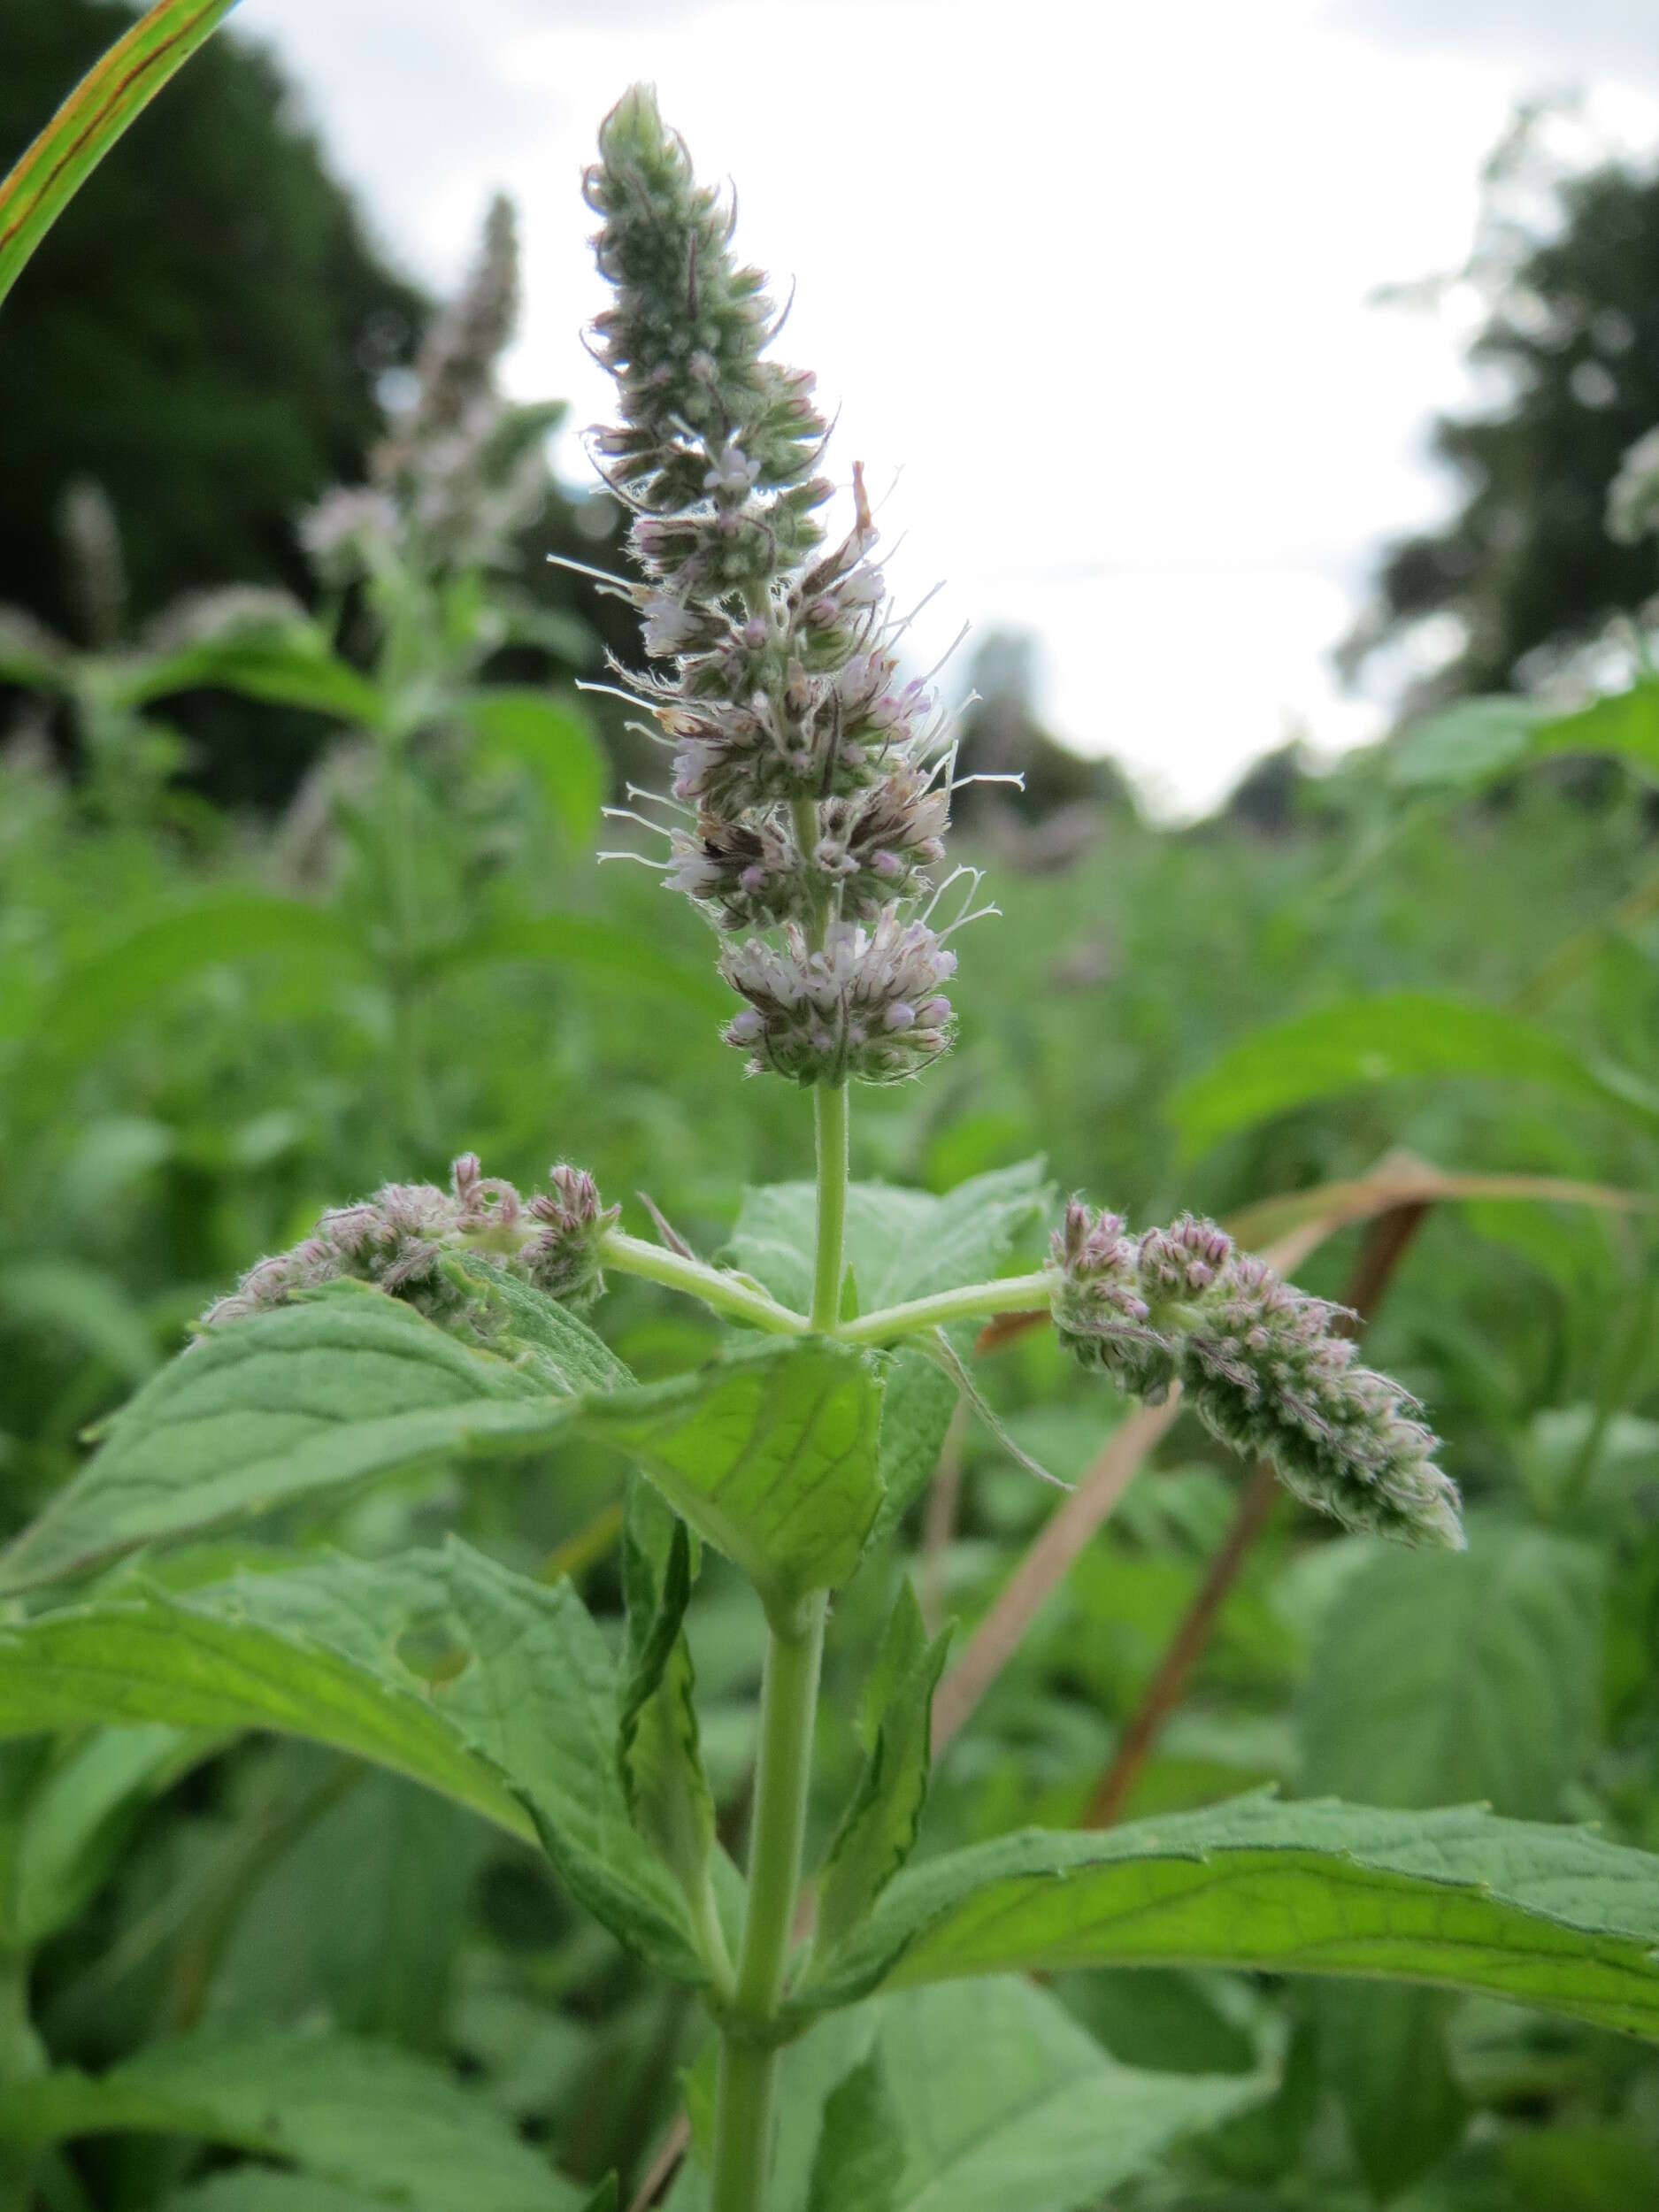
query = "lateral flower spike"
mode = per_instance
[
  {"x": 1263, "y": 1365},
  {"x": 396, "y": 1240},
  {"x": 810, "y": 783}
]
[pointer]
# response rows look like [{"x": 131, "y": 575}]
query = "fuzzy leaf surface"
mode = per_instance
[
  {"x": 1459, "y": 1898},
  {"x": 900, "y": 1244},
  {"x": 349, "y": 2112},
  {"x": 490, "y": 1688},
  {"x": 770, "y": 1454}
]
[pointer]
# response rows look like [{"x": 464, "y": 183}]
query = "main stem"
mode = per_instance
[{"x": 788, "y": 1703}]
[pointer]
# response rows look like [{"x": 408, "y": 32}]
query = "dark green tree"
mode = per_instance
[
  {"x": 1570, "y": 267},
  {"x": 203, "y": 333}
]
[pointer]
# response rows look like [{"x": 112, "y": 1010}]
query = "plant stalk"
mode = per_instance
[
  {"x": 1010, "y": 1293},
  {"x": 724, "y": 1293},
  {"x": 831, "y": 1102},
  {"x": 749, "y": 2059},
  {"x": 783, "y": 1769}
]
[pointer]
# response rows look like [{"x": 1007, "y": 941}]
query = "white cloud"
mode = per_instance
[{"x": 1098, "y": 278}]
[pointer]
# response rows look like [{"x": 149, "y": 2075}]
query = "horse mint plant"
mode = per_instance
[{"x": 806, "y": 812}]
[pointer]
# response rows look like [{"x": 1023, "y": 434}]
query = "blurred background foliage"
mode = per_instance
[{"x": 297, "y": 894}]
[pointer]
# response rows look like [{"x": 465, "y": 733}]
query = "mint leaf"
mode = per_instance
[
  {"x": 1458, "y": 1899},
  {"x": 490, "y": 1688},
  {"x": 349, "y": 2112}
]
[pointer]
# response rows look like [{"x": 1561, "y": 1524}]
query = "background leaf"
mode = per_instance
[
  {"x": 88, "y": 123},
  {"x": 1364, "y": 1041},
  {"x": 551, "y": 739},
  {"x": 352, "y": 2112},
  {"x": 485, "y": 1685},
  {"x": 1428, "y": 1687}
]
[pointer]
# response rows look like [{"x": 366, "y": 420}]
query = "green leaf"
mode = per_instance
[
  {"x": 770, "y": 1455},
  {"x": 269, "y": 2189},
  {"x": 1459, "y": 1898},
  {"x": 878, "y": 1831},
  {"x": 900, "y": 1244},
  {"x": 1427, "y": 1686},
  {"x": 549, "y": 737},
  {"x": 979, "y": 2099},
  {"x": 1441, "y": 1677},
  {"x": 1466, "y": 745},
  {"x": 1363, "y": 1042},
  {"x": 69, "y": 1298},
  {"x": 118, "y": 981},
  {"x": 1478, "y": 740},
  {"x": 312, "y": 1396},
  {"x": 485, "y": 1685},
  {"x": 918, "y": 1399},
  {"x": 72, "y": 1806},
  {"x": 658, "y": 1751},
  {"x": 611, "y": 959},
  {"x": 350, "y": 2112},
  {"x": 860, "y": 2153},
  {"x": 289, "y": 664},
  {"x": 116, "y": 88},
  {"x": 512, "y": 1318},
  {"x": 361, "y": 1894}
]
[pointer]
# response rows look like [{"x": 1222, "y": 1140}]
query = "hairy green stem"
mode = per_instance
[
  {"x": 724, "y": 1293},
  {"x": 743, "y": 2099},
  {"x": 1010, "y": 1293}
]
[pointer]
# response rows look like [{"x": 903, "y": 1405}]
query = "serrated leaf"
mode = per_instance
[
  {"x": 658, "y": 1750},
  {"x": 482, "y": 1684},
  {"x": 918, "y": 1399},
  {"x": 115, "y": 89},
  {"x": 878, "y": 1830},
  {"x": 1444, "y": 1678},
  {"x": 310, "y": 1397},
  {"x": 1427, "y": 1686},
  {"x": 900, "y": 1244},
  {"x": 1362, "y": 1043},
  {"x": 513, "y": 1319},
  {"x": 350, "y": 2112},
  {"x": 1458, "y": 1899},
  {"x": 770, "y": 1454}
]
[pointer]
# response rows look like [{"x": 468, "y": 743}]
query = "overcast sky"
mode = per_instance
[{"x": 1092, "y": 281}]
